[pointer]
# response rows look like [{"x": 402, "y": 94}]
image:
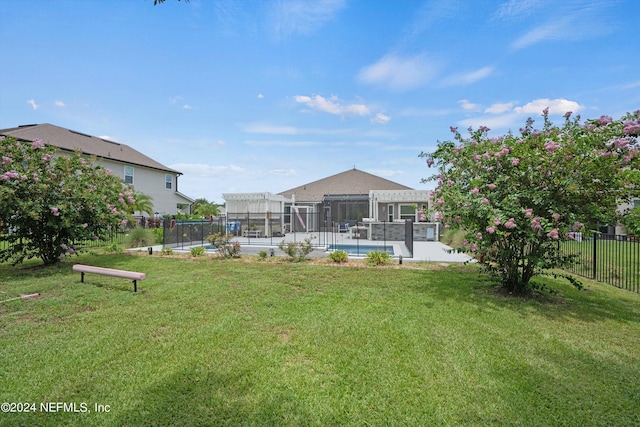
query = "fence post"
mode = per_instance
[{"x": 595, "y": 253}]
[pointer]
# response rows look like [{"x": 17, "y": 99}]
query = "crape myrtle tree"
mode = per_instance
[
  {"x": 48, "y": 203},
  {"x": 518, "y": 196}
]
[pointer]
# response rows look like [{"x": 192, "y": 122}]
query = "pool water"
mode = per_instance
[{"x": 360, "y": 249}]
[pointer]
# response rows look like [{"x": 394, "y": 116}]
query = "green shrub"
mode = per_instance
[
  {"x": 167, "y": 251},
  {"x": 158, "y": 235},
  {"x": 262, "y": 255},
  {"x": 113, "y": 247},
  {"x": 225, "y": 246},
  {"x": 139, "y": 237},
  {"x": 297, "y": 251},
  {"x": 378, "y": 258},
  {"x": 198, "y": 251},
  {"x": 339, "y": 256}
]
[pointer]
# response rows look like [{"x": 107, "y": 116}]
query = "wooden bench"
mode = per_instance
[{"x": 131, "y": 275}]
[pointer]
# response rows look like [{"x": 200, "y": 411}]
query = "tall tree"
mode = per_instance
[
  {"x": 48, "y": 203},
  {"x": 517, "y": 196}
]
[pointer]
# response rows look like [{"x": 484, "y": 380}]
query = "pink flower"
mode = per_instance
[
  {"x": 474, "y": 247},
  {"x": 6, "y": 160},
  {"x": 556, "y": 216},
  {"x": 496, "y": 221},
  {"x": 55, "y": 211},
  {"x": 535, "y": 223},
  {"x": 476, "y": 157},
  {"x": 124, "y": 222},
  {"x": 551, "y": 146},
  {"x": 604, "y": 120},
  {"x": 510, "y": 224},
  {"x": 578, "y": 225},
  {"x": 492, "y": 186},
  {"x": 515, "y": 162},
  {"x": 430, "y": 161},
  {"x": 37, "y": 143},
  {"x": 553, "y": 234},
  {"x": 568, "y": 114},
  {"x": 47, "y": 157},
  {"x": 64, "y": 247},
  {"x": 484, "y": 201},
  {"x": 475, "y": 190},
  {"x": 114, "y": 210},
  {"x": 438, "y": 216},
  {"x": 479, "y": 236},
  {"x": 85, "y": 225},
  {"x": 491, "y": 230}
]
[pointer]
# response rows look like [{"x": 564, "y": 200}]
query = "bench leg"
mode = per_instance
[
  {"x": 135, "y": 286},
  {"x": 82, "y": 277}
]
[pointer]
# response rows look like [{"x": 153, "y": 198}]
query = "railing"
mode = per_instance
[
  {"x": 608, "y": 258},
  {"x": 272, "y": 228}
]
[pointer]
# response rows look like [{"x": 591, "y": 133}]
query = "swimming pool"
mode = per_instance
[{"x": 360, "y": 249}]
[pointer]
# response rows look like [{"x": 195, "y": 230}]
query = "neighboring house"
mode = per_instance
[
  {"x": 350, "y": 197},
  {"x": 145, "y": 174}
]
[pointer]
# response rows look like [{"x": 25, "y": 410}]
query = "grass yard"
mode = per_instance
[{"x": 212, "y": 342}]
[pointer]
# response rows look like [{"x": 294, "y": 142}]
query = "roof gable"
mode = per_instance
[
  {"x": 69, "y": 140},
  {"x": 350, "y": 182}
]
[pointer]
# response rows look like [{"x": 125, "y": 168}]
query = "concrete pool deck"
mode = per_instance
[{"x": 422, "y": 251}]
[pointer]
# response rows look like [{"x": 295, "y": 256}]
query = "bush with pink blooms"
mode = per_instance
[
  {"x": 50, "y": 202},
  {"x": 518, "y": 195}
]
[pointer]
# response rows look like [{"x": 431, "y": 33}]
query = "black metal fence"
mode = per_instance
[
  {"x": 271, "y": 228},
  {"x": 608, "y": 258}
]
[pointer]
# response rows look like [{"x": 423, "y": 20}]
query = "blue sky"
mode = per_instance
[{"x": 247, "y": 96}]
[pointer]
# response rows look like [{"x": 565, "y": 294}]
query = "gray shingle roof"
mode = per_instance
[
  {"x": 350, "y": 182},
  {"x": 70, "y": 140}
]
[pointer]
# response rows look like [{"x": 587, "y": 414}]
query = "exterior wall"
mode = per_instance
[
  {"x": 152, "y": 183},
  {"x": 422, "y": 231}
]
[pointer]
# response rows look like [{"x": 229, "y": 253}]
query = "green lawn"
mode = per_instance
[{"x": 212, "y": 342}]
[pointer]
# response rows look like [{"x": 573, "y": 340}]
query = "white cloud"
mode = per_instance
[
  {"x": 399, "y": 73},
  {"x": 255, "y": 143},
  {"x": 380, "y": 119},
  {"x": 260, "y": 96},
  {"x": 333, "y": 106},
  {"x": 556, "y": 106},
  {"x": 187, "y": 107},
  {"x": 292, "y": 17},
  {"x": 283, "y": 172},
  {"x": 33, "y": 104},
  {"x": 499, "y": 108},
  {"x": 466, "y": 105},
  {"x": 468, "y": 78},
  {"x": 502, "y": 116},
  {"x": 175, "y": 99},
  {"x": 271, "y": 129},
  {"x": 504, "y": 121},
  {"x": 517, "y": 8},
  {"x": 59, "y": 104}
]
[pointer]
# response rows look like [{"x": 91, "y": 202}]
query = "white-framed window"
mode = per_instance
[
  {"x": 168, "y": 181},
  {"x": 407, "y": 212},
  {"x": 128, "y": 174},
  {"x": 390, "y": 215}
]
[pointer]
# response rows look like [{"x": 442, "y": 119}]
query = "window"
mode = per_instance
[
  {"x": 168, "y": 181},
  {"x": 390, "y": 217},
  {"x": 128, "y": 174},
  {"x": 407, "y": 212}
]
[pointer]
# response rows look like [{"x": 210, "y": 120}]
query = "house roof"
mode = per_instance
[
  {"x": 351, "y": 182},
  {"x": 69, "y": 140}
]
